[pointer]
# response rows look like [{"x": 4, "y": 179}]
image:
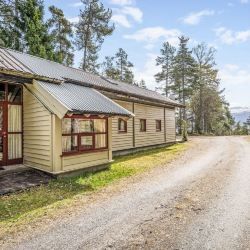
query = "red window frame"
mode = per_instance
[
  {"x": 158, "y": 125},
  {"x": 144, "y": 127},
  {"x": 119, "y": 126},
  {"x": 80, "y": 148}
]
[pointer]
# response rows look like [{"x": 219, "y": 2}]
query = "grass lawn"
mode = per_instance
[{"x": 35, "y": 201}]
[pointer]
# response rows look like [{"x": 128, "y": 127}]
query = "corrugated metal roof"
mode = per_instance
[
  {"x": 83, "y": 99},
  {"x": 54, "y": 70},
  {"x": 8, "y": 62}
]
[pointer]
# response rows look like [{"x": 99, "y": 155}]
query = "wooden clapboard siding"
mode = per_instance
[
  {"x": 81, "y": 161},
  {"x": 37, "y": 133},
  {"x": 150, "y": 114},
  {"x": 170, "y": 125},
  {"x": 121, "y": 141}
]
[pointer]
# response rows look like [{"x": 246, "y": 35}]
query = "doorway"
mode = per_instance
[{"x": 11, "y": 131}]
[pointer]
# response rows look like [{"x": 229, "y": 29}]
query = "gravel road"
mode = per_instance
[{"x": 199, "y": 201}]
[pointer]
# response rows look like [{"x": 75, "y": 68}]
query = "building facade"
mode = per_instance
[{"x": 60, "y": 119}]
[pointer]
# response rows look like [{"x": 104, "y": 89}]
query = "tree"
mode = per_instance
[
  {"x": 183, "y": 74},
  {"x": 61, "y": 32},
  {"x": 109, "y": 68},
  {"x": 206, "y": 76},
  {"x": 124, "y": 66},
  {"x": 92, "y": 28},
  {"x": 166, "y": 62},
  {"x": 10, "y": 34},
  {"x": 36, "y": 39},
  {"x": 142, "y": 84}
]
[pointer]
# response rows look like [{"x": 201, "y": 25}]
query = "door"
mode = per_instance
[{"x": 10, "y": 124}]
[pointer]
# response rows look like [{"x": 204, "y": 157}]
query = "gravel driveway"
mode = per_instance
[{"x": 199, "y": 201}]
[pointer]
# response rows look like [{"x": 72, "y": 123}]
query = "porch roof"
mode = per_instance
[{"x": 85, "y": 100}]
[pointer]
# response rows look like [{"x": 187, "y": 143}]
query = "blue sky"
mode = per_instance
[{"x": 143, "y": 25}]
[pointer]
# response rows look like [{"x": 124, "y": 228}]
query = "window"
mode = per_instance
[
  {"x": 82, "y": 134},
  {"x": 158, "y": 125},
  {"x": 122, "y": 126},
  {"x": 143, "y": 125}
]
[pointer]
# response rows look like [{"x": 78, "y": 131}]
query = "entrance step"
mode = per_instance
[{"x": 12, "y": 169}]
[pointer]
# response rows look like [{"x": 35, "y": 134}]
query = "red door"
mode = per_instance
[{"x": 10, "y": 124}]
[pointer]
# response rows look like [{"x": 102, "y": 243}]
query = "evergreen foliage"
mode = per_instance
[
  {"x": 92, "y": 28},
  {"x": 166, "y": 62},
  {"x": 118, "y": 67},
  {"x": 61, "y": 33}
]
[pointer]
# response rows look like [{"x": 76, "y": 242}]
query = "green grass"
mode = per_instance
[{"x": 15, "y": 206}]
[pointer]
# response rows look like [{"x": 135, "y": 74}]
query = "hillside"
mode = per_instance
[{"x": 240, "y": 114}]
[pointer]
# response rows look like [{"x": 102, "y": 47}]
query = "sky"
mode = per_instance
[{"x": 143, "y": 25}]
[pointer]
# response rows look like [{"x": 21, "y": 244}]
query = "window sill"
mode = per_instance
[
  {"x": 84, "y": 152},
  {"x": 122, "y": 132}
]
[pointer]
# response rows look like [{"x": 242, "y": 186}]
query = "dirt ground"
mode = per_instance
[{"x": 199, "y": 201}]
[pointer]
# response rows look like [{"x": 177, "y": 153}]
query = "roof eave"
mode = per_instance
[{"x": 28, "y": 76}]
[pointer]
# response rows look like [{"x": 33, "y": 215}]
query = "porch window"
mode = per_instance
[
  {"x": 122, "y": 125},
  {"x": 143, "y": 126},
  {"x": 81, "y": 134},
  {"x": 158, "y": 125}
]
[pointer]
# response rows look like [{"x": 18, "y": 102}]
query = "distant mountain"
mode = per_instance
[{"x": 240, "y": 114}]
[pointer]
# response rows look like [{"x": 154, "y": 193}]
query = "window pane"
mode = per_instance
[
  {"x": 2, "y": 92},
  {"x": 142, "y": 125},
  {"x": 100, "y": 125},
  {"x": 66, "y": 126},
  {"x": 158, "y": 125},
  {"x": 101, "y": 141},
  {"x": 14, "y": 118},
  {"x": 14, "y": 93},
  {"x": 14, "y": 146},
  {"x": 122, "y": 125},
  {"x": 85, "y": 126},
  {"x": 87, "y": 142},
  {"x": 69, "y": 143}
]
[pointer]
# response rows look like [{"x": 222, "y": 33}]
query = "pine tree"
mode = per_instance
[
  {"x": 184, "y": 75},
  {"x": 109, "y": 69},
  {"x": 142, "y": 84},
  {"x": 166, "y": 62},
  {"x": 61, "y": 32},
  {"x": 124, "y": 66},
  {"x": 36, "y": 39},
  {"x": 92, "y": 28}
]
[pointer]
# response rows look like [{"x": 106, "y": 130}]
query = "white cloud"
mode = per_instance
[
  {"x": 244, "y": 1},
  {"x": 121, "y": 20},
  {"x": 194, "y": 18},
  {"x": 73, "y": 19},
  {"x": 228, "y": 36},
  {"x": 77, "y": 4},
  {"x": 124, "y": 16},
  {"x": 134, "y": 12},
  {"x": 152, "y": 35},
  {"x": 234, "y": 75},
  {"x": 148, "y": 71},
  {"x": 121, "y": 2},
  {"x": 236, "y": 81}
]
